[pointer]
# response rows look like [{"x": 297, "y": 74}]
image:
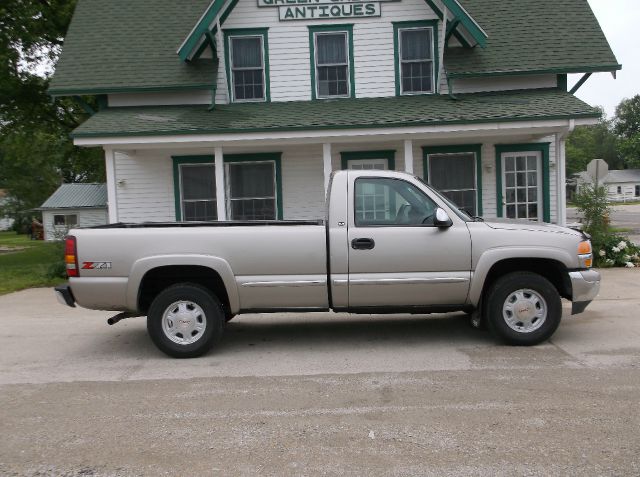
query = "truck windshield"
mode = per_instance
[{"x": 462, "y": 214}]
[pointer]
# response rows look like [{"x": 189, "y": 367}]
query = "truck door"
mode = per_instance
[{"x": 397, "y": 257}]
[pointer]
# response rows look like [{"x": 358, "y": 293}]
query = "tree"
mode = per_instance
[
  {"x": 586, "y": 143},
  {"x": 627, "y": 127},
  {"x": 36, "y": 152}
]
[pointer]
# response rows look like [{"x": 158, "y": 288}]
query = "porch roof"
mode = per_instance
[{"x": 405, "y": 111}]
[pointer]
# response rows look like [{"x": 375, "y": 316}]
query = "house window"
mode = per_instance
[
  {"x": 251, "y": 190},
  {"x": 198, "y": 192},
  {"x": 60, "y": 220},
  {"x": 415, "y": 58},
  {"x": 332, "y": 62},
  {"x": 455, "y": 176},
  {"x": 247, "y": 64},
  {"x": 638, "y": 191},
  {"x": 619, "y": 189}
]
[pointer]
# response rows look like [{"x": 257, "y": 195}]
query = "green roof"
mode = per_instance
[
  {"x": 525, "y": 37},
  {"x": 130, "y": 45},
  {"x": 401, "y": 111}
]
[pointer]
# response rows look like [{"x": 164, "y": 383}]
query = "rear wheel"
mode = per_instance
[
  {"x": 185, "y": 320},
  {"x": 523, "y": 308}
]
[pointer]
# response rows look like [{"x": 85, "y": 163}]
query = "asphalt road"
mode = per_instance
[
  {"x": 623, "y": 216},
  {"x": 320, "y": 394}
]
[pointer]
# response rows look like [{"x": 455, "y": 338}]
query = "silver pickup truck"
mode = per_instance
[{"x": 389, "y": 244}]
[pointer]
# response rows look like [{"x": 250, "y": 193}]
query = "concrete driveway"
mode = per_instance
[{"x": 321, "y": 394}]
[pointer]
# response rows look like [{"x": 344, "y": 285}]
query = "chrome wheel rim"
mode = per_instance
[
  {"x": 184, "y": 322},
  {"x": 524, "y": 310}
]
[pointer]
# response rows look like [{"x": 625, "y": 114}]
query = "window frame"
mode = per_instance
[
  {"x": 178, "y": 162},
  {"x": 475, "y": 149},
  {"x": 398, "y": 27},
  {"x": 66, "y": 222},
  {"x": 389, "y": 155},
  {"x": 314, "y": 30},
  {"x": 262, "y": 33},
  {"x": 544, "y": 149}
]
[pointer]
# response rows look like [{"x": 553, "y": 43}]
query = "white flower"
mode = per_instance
[
  {"x": 609, "y": 261},
  {"x": 622, "y": 245},
  {"x": 615, "y": 249},
  {"x": 630, "y": 265},
  {"x": 626, "y": 258},
  {"x": 602, "y": 253}
]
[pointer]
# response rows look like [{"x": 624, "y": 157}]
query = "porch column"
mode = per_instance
[
  {"x": 220, "y": 190},
  {"x": 326, "y": 160},
  {"x": 561, "y": 206},
  {"x": 408, "y": 156},
  {"x": 112, "y": 201}
]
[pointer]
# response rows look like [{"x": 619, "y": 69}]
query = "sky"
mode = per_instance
[{"x": 619, "y": 20}]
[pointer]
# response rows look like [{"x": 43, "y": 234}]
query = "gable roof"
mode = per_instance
[
  {"x": 424, "y": 110},
  {"x": 130, "y": 45},
  {"x": 526, "y": 37},
  {"x": 75, "y": 196}
]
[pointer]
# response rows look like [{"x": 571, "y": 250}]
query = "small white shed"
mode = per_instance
[{"x": 74, "y": 205}]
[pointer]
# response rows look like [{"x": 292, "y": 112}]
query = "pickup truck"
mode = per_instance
[{"x": 389, "y": 244}]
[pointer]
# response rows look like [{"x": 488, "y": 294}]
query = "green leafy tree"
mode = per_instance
[
  {"x": 586, "y": 143},
  {"x": 627, "y": 127},
  {"x": 36, "y": 152}
]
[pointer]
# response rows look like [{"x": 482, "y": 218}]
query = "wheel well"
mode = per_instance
[
  {"x": 158, "y": 279},
  {"x": 552, "y": 270}
]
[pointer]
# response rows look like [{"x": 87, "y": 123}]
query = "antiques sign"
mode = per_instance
[{"x": 324, "y": 9}]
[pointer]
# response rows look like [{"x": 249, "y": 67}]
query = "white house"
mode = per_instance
[
  {"x": 622, "y": 185},
  {"x": 71, "y": 205},
  {"x": 5, "y": 222},
  {"x": 241, "y": 109}
]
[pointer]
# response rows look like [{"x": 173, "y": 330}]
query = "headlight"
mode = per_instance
[{"x": 585, "y": 254}]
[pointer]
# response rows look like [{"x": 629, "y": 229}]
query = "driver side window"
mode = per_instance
[{"x": 391, "y": 202}]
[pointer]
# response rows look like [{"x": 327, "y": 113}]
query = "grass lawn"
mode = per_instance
[{"x": 28, "y": 267}]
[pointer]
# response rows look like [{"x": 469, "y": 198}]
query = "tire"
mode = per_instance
[
  {"x": 201, "y": 320},
  {"x": 523, "y": 309}
]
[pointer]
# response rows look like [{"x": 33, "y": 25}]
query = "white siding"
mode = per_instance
[
  {"x": 86, "y": 218},
  {"x": 144, "y": 185},
  {"x": 627, "y": 193},
  {"x": 504, "y": 83},
  {"x": 289, "y": 62}
]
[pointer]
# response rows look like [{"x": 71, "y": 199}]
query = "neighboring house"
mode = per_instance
[
  {"x": 241, "y": 109},
  {"x": 74, "y": 205},
  {"x": 5, "y": 222},
  {"x": 622, "y": 185}
]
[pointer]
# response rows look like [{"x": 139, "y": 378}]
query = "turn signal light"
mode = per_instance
[
  {"x": 71, "y": 256},
  {"x": 585, "y": 254}
]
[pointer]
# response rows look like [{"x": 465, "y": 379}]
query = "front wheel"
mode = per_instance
[
  {"x": 185, "y": 320},
  {"x": 523, "y": 308}
]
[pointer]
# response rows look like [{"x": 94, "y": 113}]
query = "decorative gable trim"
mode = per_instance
[
  {"x": 465, "y": 28},
  {"x": 198, "y": 34}
]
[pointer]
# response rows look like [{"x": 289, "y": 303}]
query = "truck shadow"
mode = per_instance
[{"x": 329, "y": 330}]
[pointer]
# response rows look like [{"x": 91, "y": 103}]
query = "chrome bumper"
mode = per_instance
[{"x": 585, "y": 285}]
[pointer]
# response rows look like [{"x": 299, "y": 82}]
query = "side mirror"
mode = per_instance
[{"x": 442, "y": 219}]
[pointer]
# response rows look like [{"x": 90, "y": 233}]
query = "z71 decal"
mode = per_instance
[{"x": 95, "y": 265}]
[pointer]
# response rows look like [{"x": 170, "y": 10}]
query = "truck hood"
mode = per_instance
[{"x": 513, "y": 224}]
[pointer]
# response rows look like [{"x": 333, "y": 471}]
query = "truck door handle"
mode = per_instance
[{"x": 362, "y": 244}]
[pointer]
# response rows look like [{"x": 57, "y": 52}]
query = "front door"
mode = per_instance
[
  {"x": 397, "y": 257},
  {"x": 522, "y": 185}
]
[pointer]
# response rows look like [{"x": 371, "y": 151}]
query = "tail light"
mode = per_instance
[{"x": 71, "y": 256}]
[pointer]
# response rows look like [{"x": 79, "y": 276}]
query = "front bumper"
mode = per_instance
[
  {"x": 65, "y": 296},
  {"x": 585, "y": 285}
]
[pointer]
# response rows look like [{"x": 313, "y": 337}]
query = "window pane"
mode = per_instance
[
  {"x": 391, "y": 202},
  {"x": 415, "y": 44},
  {"x": 246, "y": 52},
  {"x": 331, "y": 48},
  {"x": 452, "y": 171},
  {"x": 71, "y": 220},
  {"x": 200, "y": 210},
  {"x": 253, "y": 209},
  {"x": 248, "y": 84},
  {"x": 198, "y": 181},
  {"x": 417, "y": 77},
  {"x": 332, "y": 81},
  {"x": 252, "y": 179}
]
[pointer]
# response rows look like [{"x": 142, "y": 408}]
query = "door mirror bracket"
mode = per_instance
[{"x": 442, "y": 219}]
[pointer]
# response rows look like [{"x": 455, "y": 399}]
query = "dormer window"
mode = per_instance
[
  {"x": 247, "y": 65},
  {"x": 415, "y": 58},
  {"x": 331, "y": 61}
]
